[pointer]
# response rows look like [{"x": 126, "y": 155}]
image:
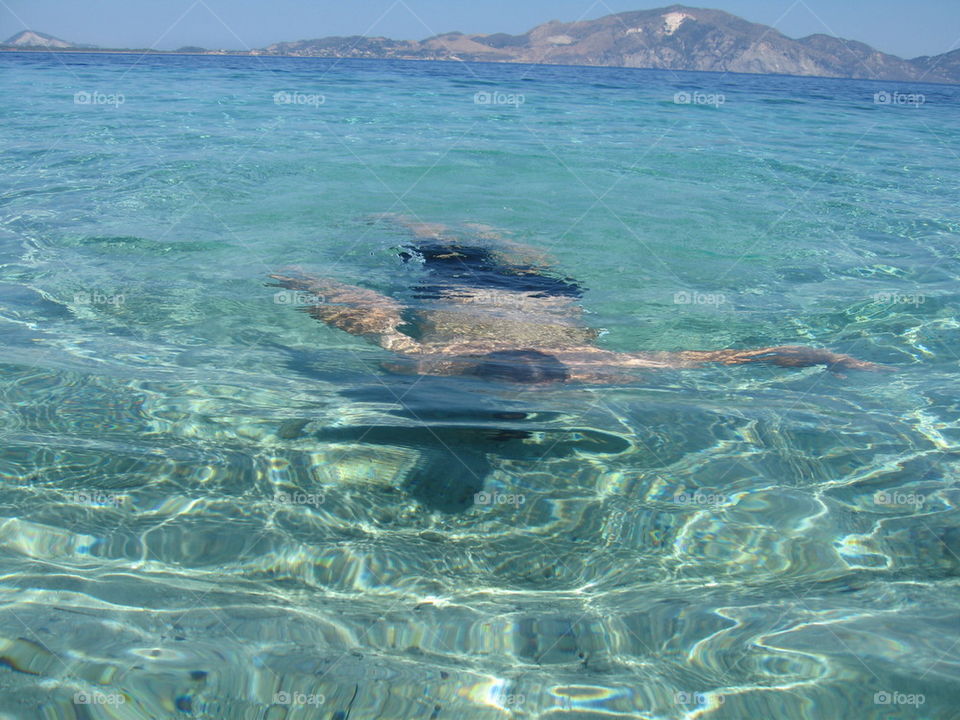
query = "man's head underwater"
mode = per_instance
[{"x": 521, "y": 366}]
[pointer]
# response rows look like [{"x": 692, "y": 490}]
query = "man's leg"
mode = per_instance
[{"x": 356, "y": 310}]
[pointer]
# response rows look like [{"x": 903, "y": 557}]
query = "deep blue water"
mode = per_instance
[{"x": 213, "y": 506}]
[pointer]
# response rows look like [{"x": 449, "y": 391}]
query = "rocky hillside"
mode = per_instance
[
  {"x": 674, "y": 38},
  {"x": 29, "y": 39},
  {"x": 947, "y": 65}
]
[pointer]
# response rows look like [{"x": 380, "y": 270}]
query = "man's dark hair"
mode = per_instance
[
  {"x": 521, "y": 366},
  {"x": 462, "y": 264}
]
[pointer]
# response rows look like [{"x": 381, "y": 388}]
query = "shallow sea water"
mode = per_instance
[{"x": 213, "y": 506}]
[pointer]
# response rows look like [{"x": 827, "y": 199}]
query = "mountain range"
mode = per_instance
[{"x": 671, "y": 38}]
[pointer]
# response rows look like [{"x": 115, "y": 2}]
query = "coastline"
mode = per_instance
[{"x": 245, "y": 53}]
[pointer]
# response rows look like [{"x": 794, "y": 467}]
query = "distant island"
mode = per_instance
[{"x": 670, "y": 38}]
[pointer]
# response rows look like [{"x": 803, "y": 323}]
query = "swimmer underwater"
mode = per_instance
[{"x": 491, "y": 308}]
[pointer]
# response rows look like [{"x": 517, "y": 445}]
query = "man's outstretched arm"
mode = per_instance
[
  {"x": 781, "y": 355},
  {"x": 353, "y": 309}
]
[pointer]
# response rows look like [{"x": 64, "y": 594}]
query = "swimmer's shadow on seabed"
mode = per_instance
[{"x": 457, "y": 444}]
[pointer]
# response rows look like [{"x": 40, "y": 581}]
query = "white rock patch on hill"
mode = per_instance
[{"x": 672, "y": 21}]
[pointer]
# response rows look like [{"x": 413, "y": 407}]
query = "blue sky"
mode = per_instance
[{"x": 918, "y": 27}]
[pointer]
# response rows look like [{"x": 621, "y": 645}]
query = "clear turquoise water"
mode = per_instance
[{"x": 214, "y": 507}]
